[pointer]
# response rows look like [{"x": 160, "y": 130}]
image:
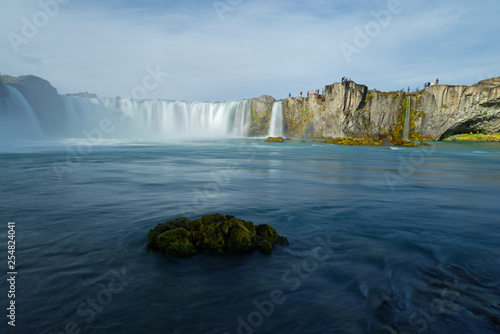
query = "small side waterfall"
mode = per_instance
[
  {"x": 276, "y": 124},
  {"x": 406, "y": 129}
]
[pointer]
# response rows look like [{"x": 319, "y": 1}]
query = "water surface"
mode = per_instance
[{"x": 381, "y": 241}]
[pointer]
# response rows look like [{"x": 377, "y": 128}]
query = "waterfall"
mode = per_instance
[
  {"x": 276, "y": 124},
  {"x": 406, "y": 129},
  {"x": 17, "y": 118},
  {"x": 159, "y": 119}
]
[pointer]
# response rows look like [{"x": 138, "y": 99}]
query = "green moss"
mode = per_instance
[
  {"x": 265, "y": 246},
  {"x": 214, "y": 233},
  {"x": 297, "y": 119},
  {"x": 368, "y": 141},
  {"x": 444, "y": 106},
  {"x": 477, "y": 137},
  {"x": 275, "y": 140},
  {"x": 176, "y": 243},
  {"x": 416, "y": 112},
  {"x": 259, "y": 124},
  {"x": 240, "y": 239},
  {"x": 369, "y": 98},
  {"x": 268, "y": 233}
]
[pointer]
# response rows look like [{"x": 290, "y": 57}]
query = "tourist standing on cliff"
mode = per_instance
[
  {"x": 437, "y": 81},
  {"x": 307, "y": 93},
  {"x": 300, "y": 94}
]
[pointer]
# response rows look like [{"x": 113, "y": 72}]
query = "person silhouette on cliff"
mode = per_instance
[
  {"x": 300, "y": 94},
  {"x": 437, "y": 81},
  {"x": 307, "y": 93}
]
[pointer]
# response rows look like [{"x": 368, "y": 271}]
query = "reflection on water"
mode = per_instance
[{"x": 418, "y": 253}]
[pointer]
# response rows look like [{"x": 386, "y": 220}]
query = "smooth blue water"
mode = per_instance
[{"x": 381, "y": 241}]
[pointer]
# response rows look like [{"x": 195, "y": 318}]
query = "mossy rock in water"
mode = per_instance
[
  {"x": 216, "y": 233},
  {"x": 275, "y": 140},
  {"x": 369, "y": 141}
]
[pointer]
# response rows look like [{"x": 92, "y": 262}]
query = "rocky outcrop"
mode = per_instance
[
  {"x": 305, "y": 117},
  {"x": 261, "y": 115},
  {"x": 449, "y": 110},
  {"x": 216, "y": 233},
  {"x": 43, "y": 99},
  {"x": 351, "y": 110},
  {"x": 370, "y": 141},
  {"x": 275, "y": 140},
  {"x": 3, "y": 90},
  {"x": 85, "y": 95}
]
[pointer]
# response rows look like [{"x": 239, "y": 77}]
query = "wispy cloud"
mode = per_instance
[{"x": 261, "y": 47}]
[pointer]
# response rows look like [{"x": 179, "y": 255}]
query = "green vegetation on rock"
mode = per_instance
[
  {"x": 215, "y": 233},
  {"x": 275, "y": 140},
  {"x": 369, "y": 141},
  {"x": 479, "y": 137}
]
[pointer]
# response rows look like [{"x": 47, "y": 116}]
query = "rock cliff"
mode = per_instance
[
  {"x": 3, "y": 90},
  {"x": 43, "y": 99},
  {"x": 261, "y": 115},
  {"x": 352, "y": 110}
]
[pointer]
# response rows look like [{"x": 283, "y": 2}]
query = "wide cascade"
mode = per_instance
[
  {"x": 161, "y": 119},
  {"x": 120, "y": 118},
  {"x": 277, "y": 120}
]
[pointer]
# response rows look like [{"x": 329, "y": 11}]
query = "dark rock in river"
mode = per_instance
[
  {"x": 275, "y": 140},
  {"x": 216, "y": 233}
]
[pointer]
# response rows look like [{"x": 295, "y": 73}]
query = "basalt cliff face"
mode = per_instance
[
  {"x": 261, "y": 115},
  {"x": 352, "y": 110}
]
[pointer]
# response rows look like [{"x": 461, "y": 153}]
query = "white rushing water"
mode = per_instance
[
  {"x": 118, "y": 118},
  {"x": 276, "y": 124},
  {"x": 17, "y": 118},
  {"x": 161, "y": 119}
]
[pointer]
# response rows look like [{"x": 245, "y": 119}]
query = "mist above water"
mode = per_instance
[{"x": 126, "y": 119}]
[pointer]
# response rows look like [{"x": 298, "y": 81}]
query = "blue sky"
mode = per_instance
[{"x": 236, "y": 49}]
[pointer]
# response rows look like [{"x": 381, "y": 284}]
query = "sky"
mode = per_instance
[{"x": 226, "y": 50}]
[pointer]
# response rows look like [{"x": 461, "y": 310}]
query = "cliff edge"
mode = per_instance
[
  {"x": 43, "y": 99},
  {"x": 349, "y": 109}
]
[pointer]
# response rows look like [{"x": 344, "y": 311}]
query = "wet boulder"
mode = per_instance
[{"x": 217, "y": 233}]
